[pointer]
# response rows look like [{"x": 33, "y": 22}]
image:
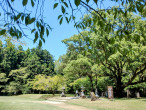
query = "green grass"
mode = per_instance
[
  {"x": 24, "y": 102},
  {"x": 116, "y": 104},
  {"x": 30, "y": 102}
]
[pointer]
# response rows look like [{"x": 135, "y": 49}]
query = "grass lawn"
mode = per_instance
[
  {"x": 24, "y": 102},
  {"x": 117, "y": 104},
  {"x": 29, "y": 102}
]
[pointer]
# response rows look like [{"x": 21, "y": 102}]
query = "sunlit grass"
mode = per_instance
[
  {"x": 30, "y": 102},
  {"x": 116, "y": 104},
  {"x": 24, "y": 102}
]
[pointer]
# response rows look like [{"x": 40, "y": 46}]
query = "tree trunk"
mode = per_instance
[
  {"x": 96, "y": 82},
  {"x": 91, "y": 80},
  {"x": 119, "y": 88}
]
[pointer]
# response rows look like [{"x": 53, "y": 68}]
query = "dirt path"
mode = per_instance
[
  {"x": 66, "y": 106},
  {"x": 61, "y": 103}
]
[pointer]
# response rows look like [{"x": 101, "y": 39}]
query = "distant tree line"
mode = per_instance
[{"x": 19, "y": 68}]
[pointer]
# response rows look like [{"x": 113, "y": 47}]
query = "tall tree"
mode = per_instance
[{"x": 121, "y": 54}]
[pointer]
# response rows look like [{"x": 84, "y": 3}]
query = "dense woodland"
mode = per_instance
[
  {"x": 18, "y": 67},
  {"x": 109, "y": 50}
]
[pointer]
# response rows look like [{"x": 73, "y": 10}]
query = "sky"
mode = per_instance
[{"x": 60, "y": 32}]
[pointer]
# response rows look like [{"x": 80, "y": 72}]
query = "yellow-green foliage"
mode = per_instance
[{"x": 48, "y": 83}]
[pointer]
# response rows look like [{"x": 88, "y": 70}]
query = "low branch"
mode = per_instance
[{"x": 135, "y": 74}]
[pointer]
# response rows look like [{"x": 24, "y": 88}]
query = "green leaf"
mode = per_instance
[
  {"x": 47, "y": 32},
  {"x": 62, "y": 9},
  {"x": 24, "y": 2},
  {"x": 87, "y": 1},
  {"x": 37, "y": 24},
  {"x": 61, "y": 20},
  {"x": 90, "y": 50},
  {"x": 42, "y": 30},
  {"x": 2, "y": 32},
  {"x": 31, "y": 21},
  {"x": 6, "y": 24},
  {"x": 139, "y": 6},
  {"x": 12, "y": 0},
  {"x": 18, "y": 16},
  {"x": 40, "y": 43},
  {"x": 70, "y": 18},
  {"x": 27, "y": 20},
  {"x": 96, "y": 1},
  {"x": 20, "y": 34},
  {"x": 43, "y": 40},
  {"x": 55, "y": 5},
  {"x": 59, "y": 16},
  {"x": 67, "y": 20},
  {"x": 77, "y": 2},
  {"x": 125, "y": 14},
  {"x": 33, "y": 30},
  {"x": 22, "y": 18},
  {"x": 65, "y": 4},
  {"x": 36, "y": 37},
  {"x": 112, "y": 40},
  {"x": 32, "y": 3}
]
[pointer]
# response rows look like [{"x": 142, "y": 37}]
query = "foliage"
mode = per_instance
[
  {"x": 115, "y": 54},
  {"x": 16, "y": 20},
  {"x": 18, "y": 67},
  {"x": 81, "y": 82},
  {"x": 48, "y": 83}
]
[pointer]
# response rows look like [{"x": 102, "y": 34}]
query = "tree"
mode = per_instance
[
  {"x": 18, "y": 80},
  {"x": 79, "y": 68},
  {"x": 120, "y": 54},
  {"x": 18, "y": 67},
  {"x": 17, "y": 20},
  {"x": 39, "y": 62},
  {"x": 3, "y": 81},
  {"x": 81, "y": 82},
  {"x": 9, "y": 57},
  {"x": 56, "y": 83},
  {"x": 48, "y": 83}
]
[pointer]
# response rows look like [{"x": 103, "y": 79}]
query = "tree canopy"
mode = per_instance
[
  {"x": 18, "y": 67},
  {"x": 118, "y": 55}
]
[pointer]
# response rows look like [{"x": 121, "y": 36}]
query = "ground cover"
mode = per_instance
[
  {"x": 116, "y": 104},
  {"x": 38, "y": 102},
  {"x": 24, "y": 102}
]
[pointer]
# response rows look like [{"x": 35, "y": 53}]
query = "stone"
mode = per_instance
[
  {"x": 96, "y": 93},
  {"x": 62, "y": 94},
  {"x": 82, "y": 95},
  {"x": 93, "y": 96},
  {"x": 103, "y": 94},
  {"x": 110, "y": 92},
  {"x": 128, "y": 93},
  {"x": 137, "y": 95},
  {"x": 77, "y": 93}
]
